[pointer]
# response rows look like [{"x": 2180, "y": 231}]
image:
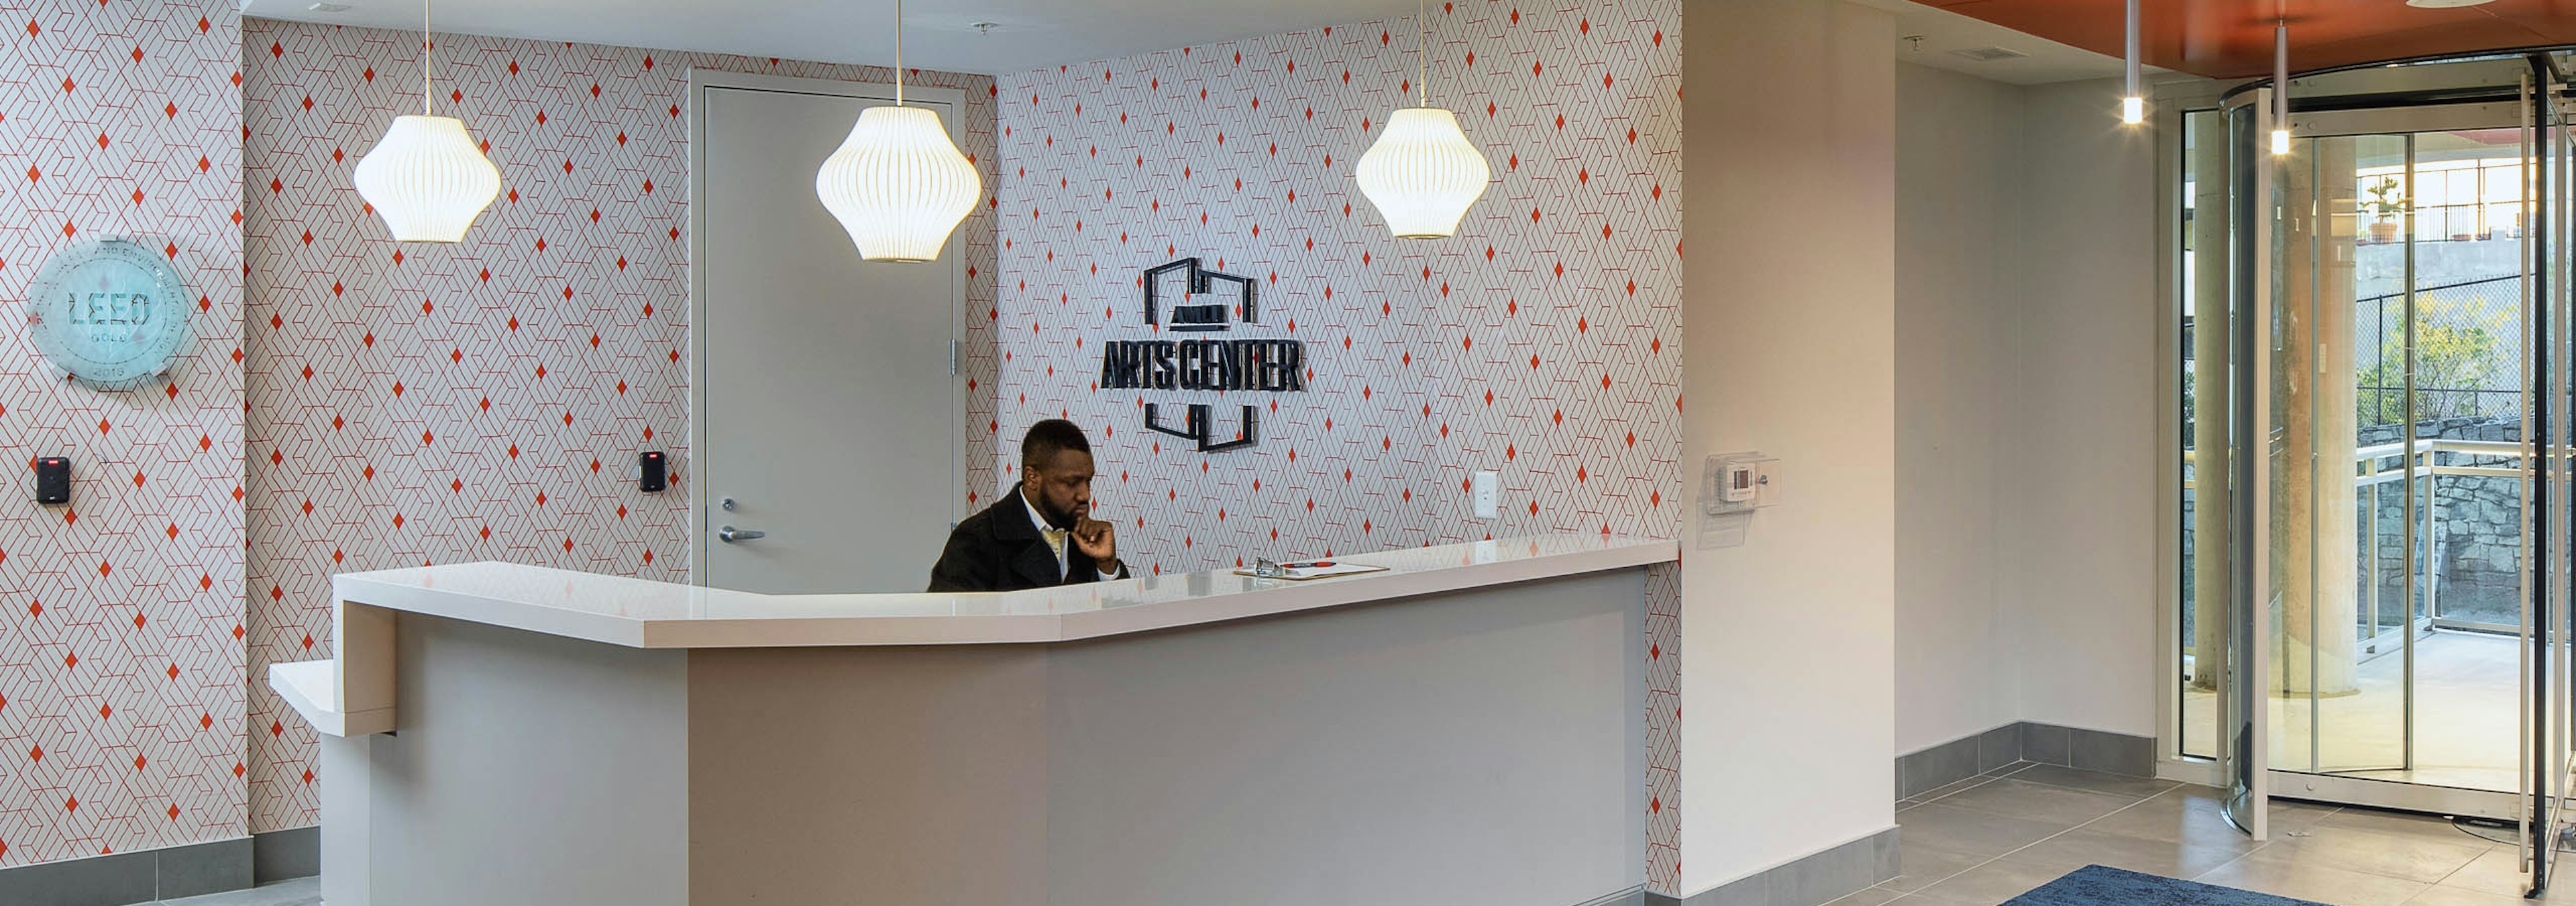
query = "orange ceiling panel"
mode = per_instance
[{"x": 2233, "y": 38}]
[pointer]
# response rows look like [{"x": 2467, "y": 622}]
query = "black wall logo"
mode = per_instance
[{"x": 1203, "y": 302}]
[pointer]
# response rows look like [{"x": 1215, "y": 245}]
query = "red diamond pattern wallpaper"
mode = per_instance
[
  {"x": 348, "y": 403},
  {"x": 121, "y": 634},
  {"x": 482, "y": 401},
  {"x": 1541, "y": 342}
]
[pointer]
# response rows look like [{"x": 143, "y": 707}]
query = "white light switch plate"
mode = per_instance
[{"x": 1487, "y": 495}]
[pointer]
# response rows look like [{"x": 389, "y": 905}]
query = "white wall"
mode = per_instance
[
  {"x": 2081, "y": 506},
  {"x": 2026, "y": 409},
  {"x": 1959, "y": 204},
  {"x": 1789, "y": 144}
]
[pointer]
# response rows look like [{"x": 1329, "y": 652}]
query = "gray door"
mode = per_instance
[{"x": 827, "y": 406}]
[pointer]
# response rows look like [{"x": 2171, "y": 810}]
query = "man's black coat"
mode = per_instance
[{"x": 999, "y": 549}]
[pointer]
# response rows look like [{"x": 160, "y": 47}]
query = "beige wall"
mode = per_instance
[
  {"x": 2027, "y": 318},
  {"x": 2081, "y": 524},
  {"x": 1789, "y": 148},
  {"x": 1959, "y": 200}
]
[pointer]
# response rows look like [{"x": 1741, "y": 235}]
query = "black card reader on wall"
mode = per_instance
[
  {"x": 653, "y": 471},
  {"x": 53, "y": 479}
]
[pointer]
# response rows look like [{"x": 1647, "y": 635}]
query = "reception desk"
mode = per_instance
[{"x": 1464, "y": 727}]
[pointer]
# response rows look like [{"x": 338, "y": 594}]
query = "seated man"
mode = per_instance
[{"x": 1041, "y": 533}]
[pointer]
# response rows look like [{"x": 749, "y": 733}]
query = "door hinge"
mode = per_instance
[{"x": 956, "y": 350}]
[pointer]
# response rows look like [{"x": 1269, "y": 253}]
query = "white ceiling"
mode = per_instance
[{"x": 1027, "y": 34}]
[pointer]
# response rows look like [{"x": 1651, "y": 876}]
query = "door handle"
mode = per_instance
[{"x": 729, "y": 534}]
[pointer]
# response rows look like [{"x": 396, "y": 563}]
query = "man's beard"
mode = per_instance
[{"x": 1062, "y": 519}]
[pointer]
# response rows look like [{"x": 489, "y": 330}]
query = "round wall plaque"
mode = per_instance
[{"x": 112, "y": 314}]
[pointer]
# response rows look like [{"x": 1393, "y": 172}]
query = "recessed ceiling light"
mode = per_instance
[
  {"x": 2446, "y": 4},
  {"x": 329, "y": 7}
]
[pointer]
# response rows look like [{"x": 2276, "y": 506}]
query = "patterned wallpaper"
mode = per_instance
[
  {"x": 413, "y": 404},
  {"x": 1542, "y": 342},
  {"x": 419, "y": 403},
  {"x": 120, "y": 614}
]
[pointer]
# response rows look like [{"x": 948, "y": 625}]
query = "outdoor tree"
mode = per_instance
[{"x": 2457, "y": 356}]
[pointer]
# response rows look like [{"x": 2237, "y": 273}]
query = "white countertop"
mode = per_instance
[{"x": 644, "y": 614}]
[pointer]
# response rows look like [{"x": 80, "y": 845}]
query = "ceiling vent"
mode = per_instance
[{"x": 1990, "y": 54}]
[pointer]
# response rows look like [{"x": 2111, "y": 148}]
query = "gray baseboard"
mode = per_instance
[
  {"x": 1814, "y": 880},
  {"x": 164, "y": 874},
  {"x": 1978, "y": 753},
  {"x": 1634, "y": 896},
  {"x": 280, "y": 855}
]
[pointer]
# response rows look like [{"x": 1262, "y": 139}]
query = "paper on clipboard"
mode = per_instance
[{"x": 1300, "y": 572}]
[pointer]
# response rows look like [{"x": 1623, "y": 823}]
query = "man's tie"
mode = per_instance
[{"x": 1055, "y": 538}]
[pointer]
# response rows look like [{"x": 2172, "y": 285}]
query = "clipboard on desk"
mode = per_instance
[{"x": 1304, "y": 570}]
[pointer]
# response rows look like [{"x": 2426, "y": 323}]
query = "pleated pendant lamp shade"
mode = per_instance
[
  {"x": 898, "y": 185},
  {"x": 1423, "y": 173},
  {"x": 427, "y": 179}
]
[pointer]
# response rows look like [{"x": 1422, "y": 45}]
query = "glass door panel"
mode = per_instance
[
  {"x": 2252, "y": 611},
  {"x": 2341, "y": 374}
]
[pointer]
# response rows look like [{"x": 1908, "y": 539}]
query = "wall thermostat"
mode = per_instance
[
  {"x": 53, "y": 479},
  {"x": 652, "y": 471},
  {"x": 1738, "y": 482}
]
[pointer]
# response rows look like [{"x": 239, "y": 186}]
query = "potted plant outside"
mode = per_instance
[{"x": 2386, "y": 204}]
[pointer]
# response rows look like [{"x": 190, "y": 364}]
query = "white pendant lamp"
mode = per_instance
[
  {"x": 1423, "y": 174},
  {"x": 2133, "y": 104},
  {"x": 426, "y": 178},
  {"x": 2280, "y": 88},
  {"x": 897, "y": 183}
]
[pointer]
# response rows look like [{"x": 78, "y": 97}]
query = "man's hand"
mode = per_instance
[{"x": 1099, "y": 541}]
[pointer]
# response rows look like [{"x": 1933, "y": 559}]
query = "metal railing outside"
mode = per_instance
[{"x": 2381, "y": 464}]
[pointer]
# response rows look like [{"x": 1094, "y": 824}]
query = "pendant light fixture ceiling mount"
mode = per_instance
[
  {"x": 2133, "y": 104},
  {"x": 1422, "y": 173},
  {"x": 426, "y": 178},
  {"x": 897, "y": 184},
  {"x": 2280, "y": 88}
]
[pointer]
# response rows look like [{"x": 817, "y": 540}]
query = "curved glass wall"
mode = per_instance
[{"x": 2373, "y": 562}]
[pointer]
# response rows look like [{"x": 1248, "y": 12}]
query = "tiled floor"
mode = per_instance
[
  {"x": 298, "y": 892},
  {"x": 2465, "y": 714},
  {"x": 1983, "y": 841}
]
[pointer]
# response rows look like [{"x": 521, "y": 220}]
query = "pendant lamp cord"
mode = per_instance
[
  {"x": 1421, "y": 52},
  {"x": 898, "y": 53},
  {"x": 424, "y": 58}
]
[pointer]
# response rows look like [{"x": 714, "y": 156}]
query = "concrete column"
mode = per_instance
[
  {"x": 2314, "y": 548},
  {"x": 2210, "y": 381}
]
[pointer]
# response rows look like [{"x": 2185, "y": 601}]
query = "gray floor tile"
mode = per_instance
[
  {"x": 1970, "y": 831},
  {"x": 2084, "y": 846},
  {"x": 2334, "y": 886},
  {"x": 2053, "y": 804},
  {"x": 1988, "y": 884},
  {"x": 1875, "y": 896},
  {"x": 2096, "y": 781},
  {"x": 2498, "y": 872},
  {"x": 2379, "y": 854},
  {"x": 2189, "y": 812},
  {"x": 2454, "y": 896},
  {"x": 2400, "y": 824},
  {"x": 1920, "y": 866}
]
